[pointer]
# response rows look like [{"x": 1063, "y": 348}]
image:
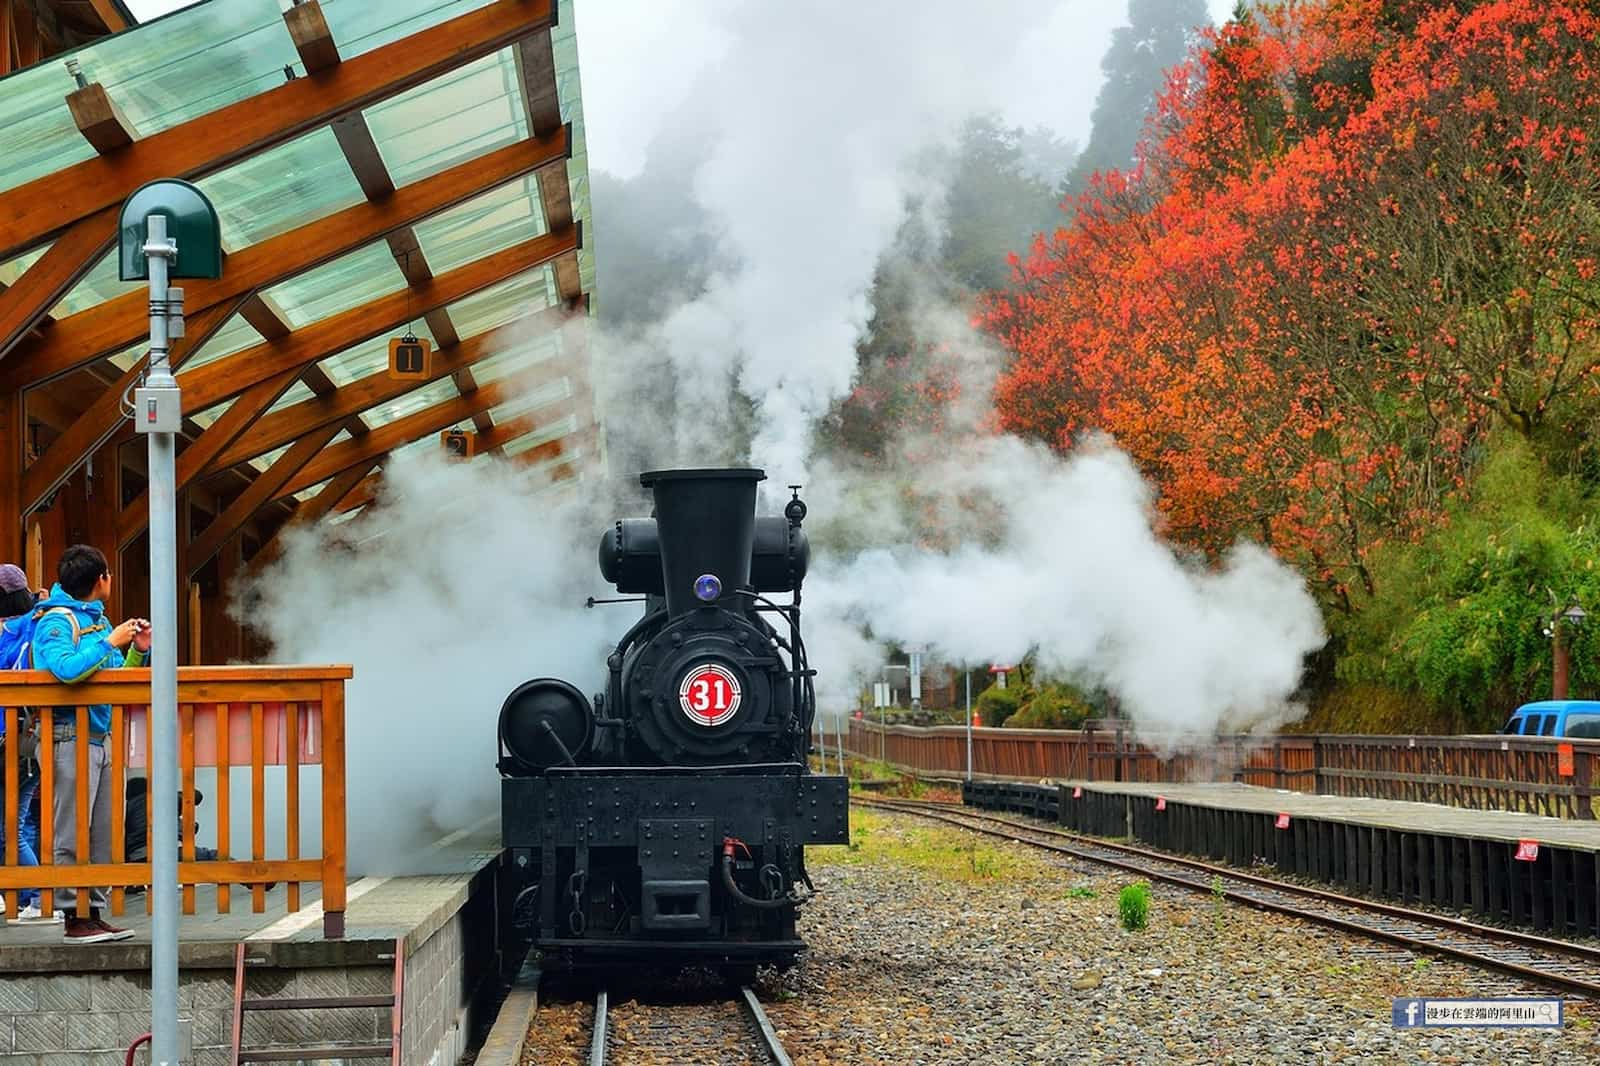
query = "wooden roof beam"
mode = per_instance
[
  {"x": 26, "y": 304},
  {"x": 109, "y": 327},
  {"x": 232, "y": 375},
  {"x": 37, "y": 210},
  {"x": 100, "y": 421},
  {"x": 312, "y": 510},
  {"x": 403, "y": 431},
  {"x": 282, "y": 426},
  {"x": 262, "y": 491}
]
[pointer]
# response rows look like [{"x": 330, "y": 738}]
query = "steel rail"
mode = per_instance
[
  {"x": 771, "y": 1046},
  {"x": 1419, "y": 930},
  {"x": 597, "y": 1043}
]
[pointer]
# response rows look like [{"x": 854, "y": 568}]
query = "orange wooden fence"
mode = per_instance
[
  {"x": 231, "y": 716},
  {"x": 1535, "y": 775}
]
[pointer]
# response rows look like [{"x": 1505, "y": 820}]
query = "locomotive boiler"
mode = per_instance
[{"x": 665, "y": 819}]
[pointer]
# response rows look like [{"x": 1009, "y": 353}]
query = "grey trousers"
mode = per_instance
[{"x": 66, "y": 845}]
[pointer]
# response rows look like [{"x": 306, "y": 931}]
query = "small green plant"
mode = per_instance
[
  {"x": 1219, "y": 900},
  {"x": 1421, "y": 965},
  {"x": 984, "y": 862},
  {"x": 1080, "y": 892},
  {"x": 1133, "y": 904}
]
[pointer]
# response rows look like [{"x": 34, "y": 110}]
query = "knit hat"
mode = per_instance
[{"x": 12, "y": 579}]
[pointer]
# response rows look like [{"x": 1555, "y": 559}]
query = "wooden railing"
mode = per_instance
[
  {"x": 234, "y": 716},
  {"x": 1534, "y": 775}
]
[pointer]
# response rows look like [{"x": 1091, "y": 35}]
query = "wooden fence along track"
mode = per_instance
[
  {"x": 1568, "y": 966},
  {"x": 1531, "y": 775},
  {"x": 729, "y": 1030}
]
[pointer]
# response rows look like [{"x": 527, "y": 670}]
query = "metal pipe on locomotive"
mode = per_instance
[{"x": 666, "y": 820}]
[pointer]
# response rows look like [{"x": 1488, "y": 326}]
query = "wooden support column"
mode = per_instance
[
  {"x": 196, "y": 654},
  {"x": 13, "y": 435}
]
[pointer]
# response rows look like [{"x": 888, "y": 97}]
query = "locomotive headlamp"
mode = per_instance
[{"x": 707, "y": 587}]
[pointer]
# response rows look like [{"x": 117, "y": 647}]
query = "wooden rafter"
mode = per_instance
[
  {"x": 203, "y": 450},
  {"x": 403, "y": 431},
  {"x": 265, "y": 488},
  {"x": 109, "y": 327},
  {"x": 25, "y": 304},
  {"x": 311, "y": 511},
  {"x": 100, "y": 421},
  {"x": 231, "y": 375},
  {"x": 37, "y": 210},
  {"x": 114, "y": 22},
  {"x": 370, "y": 486},
  {"x": 282, "y": 426}
]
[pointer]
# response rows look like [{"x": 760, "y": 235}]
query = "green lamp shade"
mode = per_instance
[{"x": 191, "y": 222}]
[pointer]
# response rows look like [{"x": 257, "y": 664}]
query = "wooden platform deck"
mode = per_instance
[{"x": 1499, "y": 826}]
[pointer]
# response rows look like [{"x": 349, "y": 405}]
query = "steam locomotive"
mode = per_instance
[{"x": 665, "y": 821}]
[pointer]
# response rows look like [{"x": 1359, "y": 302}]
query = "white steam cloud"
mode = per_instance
[
  {"x": 459, "y": 586},
  {"x": 810, "y": 124}
]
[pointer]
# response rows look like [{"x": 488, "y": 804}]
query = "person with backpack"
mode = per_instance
[
  {"x": 16, "y": 634},
  {"x": 73, "y": 640}
]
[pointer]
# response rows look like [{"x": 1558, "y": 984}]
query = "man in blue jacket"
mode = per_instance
[{"x": 73, "y": 640}]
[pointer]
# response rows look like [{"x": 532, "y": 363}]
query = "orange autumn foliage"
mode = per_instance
[{"x": 1361, "y": 234}]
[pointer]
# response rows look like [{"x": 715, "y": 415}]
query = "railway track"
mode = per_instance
[
  {"x": 732, "y": 1031},
  {"x": 1570, "y": 967}
]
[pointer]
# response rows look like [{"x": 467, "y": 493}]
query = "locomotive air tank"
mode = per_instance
[{"x": 665, "y": 820}]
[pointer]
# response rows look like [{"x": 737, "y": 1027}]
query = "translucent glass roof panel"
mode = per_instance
[
  {"x": 235, "y": 335},
  {"x": 160, "y": 75},
  {"x": 511, "y": 299},
  {"x": 535, "y": 398},
  {"x": 498, "y": 219},
  {"x": 306, "y": 494},
  {"x": 450, "y": 119},
  {"x": 556, "y": 429},
  {"x": 517, "y": 358},
  {"x": 276, "y": 191},
  {"x": 413, "y": 401},
  {"x": 97, "y": 286},
  {"x": 564, "y": 48},
  {"x": 364, "y": 359},
  {"x": 298, "y": 392},
  {"x": 362, "y": 25},
  {"x": 347, "y": 282},
  {"x": 128, "y": 356}
]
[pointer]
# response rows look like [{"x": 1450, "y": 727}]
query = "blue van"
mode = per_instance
[{"x": 1556, "y": 718}]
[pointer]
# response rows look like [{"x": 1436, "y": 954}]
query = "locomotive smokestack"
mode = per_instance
[{"x": 706, "y": 521}]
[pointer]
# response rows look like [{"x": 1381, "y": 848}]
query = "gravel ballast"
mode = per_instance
[{"x": 931, "y": 944}]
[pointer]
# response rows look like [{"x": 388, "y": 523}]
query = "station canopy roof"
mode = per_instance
[{"x": 377, "y": 167}]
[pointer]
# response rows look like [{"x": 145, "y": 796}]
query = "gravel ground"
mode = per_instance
[
  {"x": 931, "y": 944},
  {"x": 994, "y": 958}
]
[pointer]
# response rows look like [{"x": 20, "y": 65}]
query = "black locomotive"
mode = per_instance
[{"x": 665, "y": 821}]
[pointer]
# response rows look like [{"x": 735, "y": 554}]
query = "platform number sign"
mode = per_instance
[
  {"x": 410, "y": 358},
  {"x": 709, "y": 694}
]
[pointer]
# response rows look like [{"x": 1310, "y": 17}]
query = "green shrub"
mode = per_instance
[
  {"x": 997, "y": 704},
  {"x": 1051, "y": 705},
  {"x": 1133, "y": 905}
]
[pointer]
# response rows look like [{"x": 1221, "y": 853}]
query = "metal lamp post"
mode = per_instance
[
  {"x": 1573, "y": 616},
  {"x": 168, "y": 229}
]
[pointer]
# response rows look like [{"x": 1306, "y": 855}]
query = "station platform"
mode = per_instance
[
  {"x": 428, "y": 938},
  {"x": 1520, "y": 869}
]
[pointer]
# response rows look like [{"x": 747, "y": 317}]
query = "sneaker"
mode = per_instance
[
  {"x": 84, "y": 931},
  {"x": 32, "y": 914},
  {"x": 113, "y": 931}
]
